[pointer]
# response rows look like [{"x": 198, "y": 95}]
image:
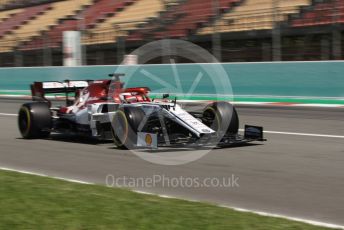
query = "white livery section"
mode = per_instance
[
  {"x": 191, "y": 121},
  {"x": 174, "y": 112},
  {"x": 70, "y": 84}
]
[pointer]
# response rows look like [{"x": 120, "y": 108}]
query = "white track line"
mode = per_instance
[
  {"x": 8, "y": 114},
  {"x": 72, "y": 180},
  {"x": 300, "y": 134},
  {"x": 45, "y": 175},
  {"x": 311, "y": 222},
  {"x": 304, "y": 134}
]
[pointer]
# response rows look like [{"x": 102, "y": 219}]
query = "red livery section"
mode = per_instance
[{"x": 98, "y": 91}]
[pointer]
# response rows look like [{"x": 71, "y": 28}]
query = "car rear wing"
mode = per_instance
[{"x": 40, "y": 89}]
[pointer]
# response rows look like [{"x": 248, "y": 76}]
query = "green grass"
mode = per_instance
[{"x": 33, "y": 202}]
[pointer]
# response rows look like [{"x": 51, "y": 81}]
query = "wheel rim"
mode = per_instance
[
  {"x": 115, "y": 139},
  {"x": 120, "y": 129}
]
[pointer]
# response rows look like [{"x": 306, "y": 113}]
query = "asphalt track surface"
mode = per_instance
[{"x": 293, "y": 175}]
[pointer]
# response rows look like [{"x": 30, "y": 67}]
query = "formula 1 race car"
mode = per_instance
[{"x": 106, "y": 110}]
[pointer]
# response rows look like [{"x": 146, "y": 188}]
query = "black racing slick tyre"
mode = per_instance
[
  {"x": 222, "y": 117},
  {"x": 125, "y": 126},
  {"x": 34, "y": 120}
]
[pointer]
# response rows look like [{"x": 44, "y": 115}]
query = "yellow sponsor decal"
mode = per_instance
[{"x": 148, "y": 139}]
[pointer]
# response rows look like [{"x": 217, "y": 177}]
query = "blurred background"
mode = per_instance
[{"x": 31, "y": 32}]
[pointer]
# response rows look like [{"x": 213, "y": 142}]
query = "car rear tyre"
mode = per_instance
[
  {"x": 125, "y": 126},
  {"x": 222, "y": 117},
  {"x": 34, "y": 120}
]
